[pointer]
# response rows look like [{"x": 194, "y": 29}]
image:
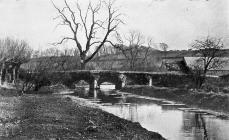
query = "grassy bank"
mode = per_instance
[
  {"x": 213, "y": 101},
  {"x": 56, "y": 117}
]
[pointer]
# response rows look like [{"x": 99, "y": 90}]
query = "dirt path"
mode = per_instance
[{"x": 54, "y": 117}]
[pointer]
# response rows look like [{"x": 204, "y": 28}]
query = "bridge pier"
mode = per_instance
[
  {"x": 95, "y": 94},
  {"x": 94, "y": 84},
  {"x": 14, "y": 75},
  {"x": 150, "y": 80},
  {"x": 122, "y": 83}
]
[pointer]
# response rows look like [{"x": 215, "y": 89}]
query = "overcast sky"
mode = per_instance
[{"x": 175, "y": 22}]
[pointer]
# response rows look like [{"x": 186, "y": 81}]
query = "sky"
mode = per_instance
[{"x": 175, "y": 22}]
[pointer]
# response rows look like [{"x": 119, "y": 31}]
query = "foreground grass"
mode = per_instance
[
  {"x": 54, "y": 117},
  {"x": 213, "y": 101}
]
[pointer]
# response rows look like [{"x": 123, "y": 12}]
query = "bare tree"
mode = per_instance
[
  {"x": 92, "y": 25},
  {"x": 209, "y": 58},
  {"x": 134, "y": 51}
]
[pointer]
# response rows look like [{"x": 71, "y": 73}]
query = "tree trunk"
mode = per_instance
[
  {"x": 200, "y": 81},
  {"x": 3, "y": 74},
  {"x": 82, "y": 61},
  {"x": 82, "y": 65}
]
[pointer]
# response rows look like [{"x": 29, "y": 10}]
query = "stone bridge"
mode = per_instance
[{"x": 94, "y": 78}]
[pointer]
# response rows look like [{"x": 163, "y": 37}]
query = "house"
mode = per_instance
[{"x": 175, "y": 64}]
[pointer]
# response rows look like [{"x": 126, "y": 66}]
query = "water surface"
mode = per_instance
[{"x": 173, "y": 122}]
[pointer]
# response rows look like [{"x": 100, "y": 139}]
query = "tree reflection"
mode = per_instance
[
  {"x": 201, "y": 124},
  {"x": 195, "y": 125}
]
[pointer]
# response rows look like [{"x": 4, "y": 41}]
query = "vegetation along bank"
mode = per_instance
[{"x": 205, "y": 100}]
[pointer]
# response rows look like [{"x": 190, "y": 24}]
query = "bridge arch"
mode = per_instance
[
  {"x": 136, "y": 79},
  {"x": 76, "y": 77},
  {"x": 107, "y": 85},
  {"x": 111, "y": 78}
]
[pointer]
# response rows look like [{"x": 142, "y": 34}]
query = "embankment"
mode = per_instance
[
  {"x": 213, "y": 101},
  {"x": 58, "y": 117}
]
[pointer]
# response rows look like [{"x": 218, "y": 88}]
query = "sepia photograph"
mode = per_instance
[{"x": 114, "y": 69}]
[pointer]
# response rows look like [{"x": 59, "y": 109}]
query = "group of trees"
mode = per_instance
[
  {"x": 43, "y": 63},
  {"x": 17, "y": 51},
  {"x": 53, "y": 59},
  {"x": 13, "y": 53}
]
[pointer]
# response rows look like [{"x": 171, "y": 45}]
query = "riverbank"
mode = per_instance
[
  {"x": 213, "y": 101},
  {"x": 55, "y": 117}
]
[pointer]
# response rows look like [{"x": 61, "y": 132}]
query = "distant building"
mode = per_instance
[{"x": 175, "y": 64}]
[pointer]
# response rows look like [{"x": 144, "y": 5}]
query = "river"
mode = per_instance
[{"x": 173, "y": 121}]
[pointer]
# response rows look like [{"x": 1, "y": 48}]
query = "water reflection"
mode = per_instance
[
  {"x": 172, "y": 123},
  {"x": 204, "y": 127},
  {"x": 196, "y": 124}
]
